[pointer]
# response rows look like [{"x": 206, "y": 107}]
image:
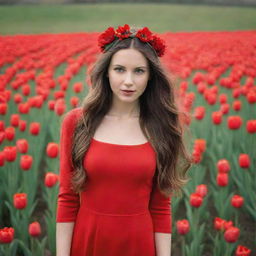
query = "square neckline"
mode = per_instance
[{"x": 125, "y": 145}]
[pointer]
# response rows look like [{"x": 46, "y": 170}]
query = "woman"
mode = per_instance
[{"x": 120, "y": 152}]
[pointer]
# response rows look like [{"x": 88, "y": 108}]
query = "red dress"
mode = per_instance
[{"x": 121, "y": 207}]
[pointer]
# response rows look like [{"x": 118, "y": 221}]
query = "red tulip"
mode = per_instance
[
  {"x": 202, "y": 190},
  {"x": 34, "y": 229},
  {"x": 222, "y": 179},
  {"x": 22, "y": 145},
  {"x": 20, "y": 200},
  {"x": 17, "y": 98},
  {"x": 2, "y": 137},
  {"x": 231, "y": 234},
  {"x": 26, "y": 162},
  {"x": 22, "y": 125},
  {"x": 242, "y": 251},
  {"x": 224, "y": 108},
  {"x": 200, "y": 145},
  {"x": 77, "y": 87},
  {"x": 223, "y": 166},
  {"x": 74, "y": 101},
  {"x": 6, "y": 235},
  {"x": 199, "y": 112},
  {"x": 10, "y": 153},
  {"x": 26, "y": 89},
  {"x": 228, "y": 224},
  {"x": 237, "y": 201},
  {"x": 59, "y": 108},
  {"x": 234, "y": 122},
  {"x": 251, "y": 97},
  {"x": 196, "y": 154},
  {"x": 50, "y": 179},
  {"x": 3, "y": 108},
  {"x": 223, "y": 98},
  {"x": 237, "y": 105},
  {"x": 196, "y": 200},
  {"x": 15, "y": 118},
  {"x": 34, "y": 128},
  {"x": 217, "y": 117},
  {"x": 10, "y": 133},
  {"x": 52, "y": 149},
  {"x": 251, "y": 126},
  {"x": 182, "y": 226},
  {"x": 219, "y": 223},
  {"x": 244, "y": 160}
]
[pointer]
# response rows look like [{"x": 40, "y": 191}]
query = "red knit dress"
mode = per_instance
[{"x": 121, "y": 207}]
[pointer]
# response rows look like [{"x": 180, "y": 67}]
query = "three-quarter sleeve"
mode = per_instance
[
  {"x": 68, "y": 201},
  {"x": 160, "y": 210}
]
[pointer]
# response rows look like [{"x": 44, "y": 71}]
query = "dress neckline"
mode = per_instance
[{"x": 122, "y": 145}]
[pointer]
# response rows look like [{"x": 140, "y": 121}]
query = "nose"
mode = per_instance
[{"x": 128, "y": 79}]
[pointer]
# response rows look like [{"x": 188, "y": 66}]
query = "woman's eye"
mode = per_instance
[
  {"x": 118, "y": 69},
  {"x": 142, "y": 71}
]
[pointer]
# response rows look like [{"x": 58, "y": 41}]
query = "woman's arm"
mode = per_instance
[
  {"x": 163, "y": 244},
  {"x": 64, "y": 232}
]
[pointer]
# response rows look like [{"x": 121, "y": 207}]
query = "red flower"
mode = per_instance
[
  {"x": 223, "y": 166},
  {"x": 123, "y": 32},
  {"x": 200, "y": 145},
  {"x": 34, "y": 229},
  {"x": 237, "y": 201},
  {"x": 244, "y": 160},
  {"x": 231, "y": 234},
  {"x": 196, "y": 200},
  {"x": 251, "y": 126},
  {"x": 251, "y": 97},
  {"x": 182, "y": 226},
  {"x": 144, "y": 34},
  {"x": 242, "y": 251},
  {"x": 216, "y": 117},
  {"x": 106, "y": 37},
  {"x": 15, "y": 118},
  {"x": 159, "y": 45},
  {"x": 20, "y": 200},
  {"x": 6, "y": 235},
  {"x": 22, "y": 145},
  {"x": 34, "y": 128},
  {"x": 219, "y": 223},
  {"x": 59, "y": 107},
  {"x": 9, "y": 133},
  {"x": 222, "y": 179},
  {"x": 234, "y": 122},
  {"x": 26, "y": 162},
  {"x": 50, "y": 179},
  {"x": 202, "y": 190},
  {"x": 237, "y": 105},
  {"x": 77, "y": 87},
  {"x": 22, "y": 125},
  {"x": 10, "y": 153},
  {"x": 52, "y": 149},
  {"x": 199, "y": 112}
]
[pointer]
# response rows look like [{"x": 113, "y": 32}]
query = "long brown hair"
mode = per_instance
[{"x": 159, "y": 119}]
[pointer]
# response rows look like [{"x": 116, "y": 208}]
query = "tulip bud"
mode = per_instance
[
  {"x": 20, "y": 200},
  {"x": 196, "y": 200},
  {"x": 231, "y": 234},
  {"x": 222, "y": 179},
  {"x": 50, "y": 179},
  {"x": 52, "y": 149},
  {"x": 26, "y": 162},
  {"x": 202, "y": 190},
  {"x": 237, "y": 201},
  {"x": 244, "y": 161},
  {"x": 182, "y": 226},
  {"x": 34, "y": 128},
  {"x": 34, "y": 229},
  {"x": 223, "y": 165},
  {"x": 234, "y": 122}
]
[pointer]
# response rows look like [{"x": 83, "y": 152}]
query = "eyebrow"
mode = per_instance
[{"x": 124, "y": 67}]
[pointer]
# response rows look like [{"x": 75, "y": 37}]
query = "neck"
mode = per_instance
[{"x": 124, "y": 110}]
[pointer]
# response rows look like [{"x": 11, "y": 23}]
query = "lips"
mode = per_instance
[{"x": 127, "y": 91}]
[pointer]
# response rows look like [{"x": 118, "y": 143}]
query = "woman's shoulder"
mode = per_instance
[{"x": 72, "y": 116}]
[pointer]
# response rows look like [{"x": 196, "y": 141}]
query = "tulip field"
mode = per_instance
[{"x": 43, "y": 76}]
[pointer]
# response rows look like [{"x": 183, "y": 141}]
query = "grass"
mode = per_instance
[{"x": 34, "y": 19}]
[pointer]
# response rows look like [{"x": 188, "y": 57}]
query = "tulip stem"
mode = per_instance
[{"x": 183, "y": 245}]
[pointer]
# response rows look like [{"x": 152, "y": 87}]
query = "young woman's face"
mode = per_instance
[{"x": 128, "y": 71}]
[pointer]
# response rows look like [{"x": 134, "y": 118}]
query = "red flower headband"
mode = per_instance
[{"x": 110, "y": 37}]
